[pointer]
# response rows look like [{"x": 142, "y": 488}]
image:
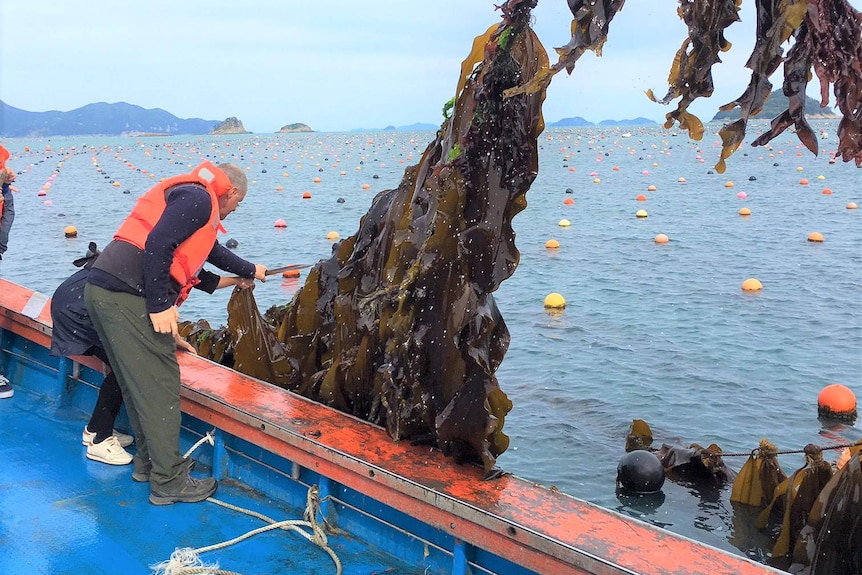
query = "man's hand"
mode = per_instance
[
  {"x": 260, "y": 272},
  {"x": 166, "y": 321},
  {"x": 183, "y": 345}
]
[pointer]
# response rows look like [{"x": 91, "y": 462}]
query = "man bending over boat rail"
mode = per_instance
[
  {"x": 73, "y": 334},
  {"x": 132, "y": 295}
]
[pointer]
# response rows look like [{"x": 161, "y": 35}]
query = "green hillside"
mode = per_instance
[{"x": 776, "y": 104}]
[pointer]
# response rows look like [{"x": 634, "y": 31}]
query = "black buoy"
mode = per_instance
[
  {"x": 570, "y": 191},
  {"x": 640, "y": 471},
  {"x": 231, "y": 243},
  {"x": 340, "y": 200},
  {"x": 752, "y": 178}
]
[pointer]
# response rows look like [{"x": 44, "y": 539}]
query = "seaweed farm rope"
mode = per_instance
[{"x": 784, "y": 452}]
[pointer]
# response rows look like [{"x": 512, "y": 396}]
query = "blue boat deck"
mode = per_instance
[{"x": 63, "y": 513}]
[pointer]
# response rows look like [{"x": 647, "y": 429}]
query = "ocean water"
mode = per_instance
[{"x": 662, "y": 333}]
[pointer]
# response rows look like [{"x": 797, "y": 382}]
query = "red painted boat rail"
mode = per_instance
[{"x": 530, "y": 525}]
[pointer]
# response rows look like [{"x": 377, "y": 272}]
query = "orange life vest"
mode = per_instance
[
  {"x": 4, "y": 155},
  {"x": 189, "y": 257}
]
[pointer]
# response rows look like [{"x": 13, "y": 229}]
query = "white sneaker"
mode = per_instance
[
  {"x": 109, "y": 451},
  {"x": 88, "y": 436},
  {"x": 6, "y": 390}
]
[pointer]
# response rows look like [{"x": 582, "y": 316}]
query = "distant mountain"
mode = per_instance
[
  {"x": 230, "y": 126},
  {"x": 576, "y": 122},
  {"x": 417, "y": 127},
  {"x": 776, "y": 104},
  {"x": 101, "y": 118},
  {"x": 294, "y": 128},
  {"x": 635, "y": 122}
]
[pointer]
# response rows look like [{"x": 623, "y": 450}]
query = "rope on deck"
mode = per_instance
[{"x": 186, "y": 561}]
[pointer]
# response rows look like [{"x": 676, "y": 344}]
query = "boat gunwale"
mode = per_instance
[{"x": 533, "y": 526}]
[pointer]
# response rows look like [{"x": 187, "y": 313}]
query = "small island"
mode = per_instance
[
  {"x": 777, "y": 103},
  {"x": 294, "y": 128},
  {"x": 229, "y": 126}
]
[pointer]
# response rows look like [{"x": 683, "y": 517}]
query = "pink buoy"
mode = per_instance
[
  {"x": 741, "y": 195},
  {"x": 280, "y": 223}
]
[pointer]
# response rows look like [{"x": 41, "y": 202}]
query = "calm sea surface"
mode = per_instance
[{"x": 662, "y": 333}]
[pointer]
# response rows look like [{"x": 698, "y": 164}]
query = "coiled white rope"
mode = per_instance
[{"x": 186, "y": 561}]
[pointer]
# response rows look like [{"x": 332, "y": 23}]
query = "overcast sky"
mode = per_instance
[{"x": 332, "y": 64}]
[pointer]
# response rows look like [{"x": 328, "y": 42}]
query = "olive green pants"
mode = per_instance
[{"x": 149, "y": 376}]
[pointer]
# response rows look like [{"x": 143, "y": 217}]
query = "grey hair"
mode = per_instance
[{"x": 236, "y": 176}]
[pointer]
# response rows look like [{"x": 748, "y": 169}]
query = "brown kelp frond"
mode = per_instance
[
  {"x": 591, "y": 19},
  {"x": 829, "y": 40},
  {"x": 760, "y": 475},
  {"x": 777, "y": 20},
  {"x": 399, "y": 326},
  {"x": 691, "y": 72},
  {"x": 639, "y": 436}
]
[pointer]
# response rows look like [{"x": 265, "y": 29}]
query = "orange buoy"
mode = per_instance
[
  {"x": 278, "y": 188},
  {"x": 641, "y": 198},
  {"x": 803, "y": 182},
  {"x": 306, "y": 195},
  {"x": 852, "y": 206},
  {"x": 290, "y": 274},
  {"x": 661, "y": 239},
  {"x": 280, "y": 223},
  {"x": 827, "y": 192},
  {"x": 744, "y": 212},
  {"x": 836, "y": 401},
  {"x": 71, "y": 232},
  {"x": 650, "y": 188},
  {"x": 728, "y": 184},
  {"x": 752, "y": 284},
  {"x": 569, "y": 201},
  {"x": 366, "y": 186},
  {"x": 815, "y": 237},
  {"x": 552, "y": 244},
  {"x": 316, "y": 180}
]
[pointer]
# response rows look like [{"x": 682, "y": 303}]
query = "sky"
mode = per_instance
[{"x": 335, "y": 65}]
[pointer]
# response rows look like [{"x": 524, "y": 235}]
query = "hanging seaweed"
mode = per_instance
[
  {"x": 756, "y": 482},
  {"x": 794, "y": 498},
  {"x": 831, "y": 541}
]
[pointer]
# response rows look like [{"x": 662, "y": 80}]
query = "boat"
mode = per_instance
[{"x": 364, "y": 503}]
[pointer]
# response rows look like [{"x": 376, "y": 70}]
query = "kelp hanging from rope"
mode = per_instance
[{"x": 756, "y": 482}]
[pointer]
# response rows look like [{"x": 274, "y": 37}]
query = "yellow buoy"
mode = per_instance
[
  {"x": 852, "y": 206},
  {"x": 728, "y": 184},
  {"x": 564, "y": 223},
  {"x": 641, "y": 213},
  {"x": 333, "y": 235},
  {"x": 752, "y": 284},
  {"x": 316, "y": 180},
  {"x": 815, "y": 237},
  {"x": 552, "y": 244},
  {"x": 555, "y": 301},
  {"x": 650, "y": 188},
  {"x": 661, "y": 239},
  {"x": 744, "y": 212},
  {"x": 71, "y": 232},
  {"x": 681, "y": 180},
  {"x": 597, "y": 181}
]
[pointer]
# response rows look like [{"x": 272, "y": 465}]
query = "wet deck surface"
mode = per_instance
[{"x": 63, "y": 513}]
